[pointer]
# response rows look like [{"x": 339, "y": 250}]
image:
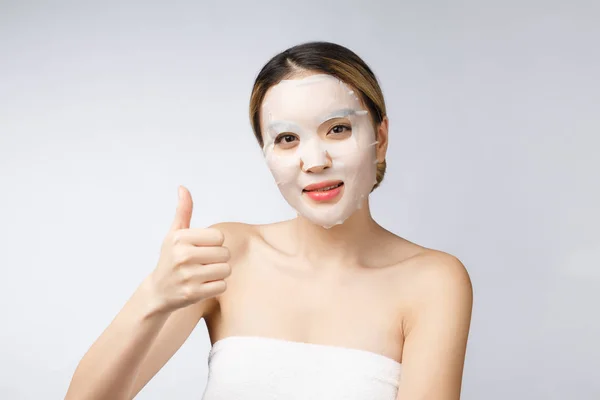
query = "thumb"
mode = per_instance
[{"x": 183, "y": 215}]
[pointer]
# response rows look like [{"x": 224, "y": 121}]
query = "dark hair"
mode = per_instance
[{"x": 323, "y": 57}]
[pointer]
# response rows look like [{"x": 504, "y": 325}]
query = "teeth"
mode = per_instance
[{"x": 328, "y": 188}]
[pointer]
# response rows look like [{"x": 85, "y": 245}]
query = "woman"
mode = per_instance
[{"x": 329, "y": 305}]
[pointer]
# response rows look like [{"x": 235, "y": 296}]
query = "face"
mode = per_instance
[{"x": 320, "y": 146}]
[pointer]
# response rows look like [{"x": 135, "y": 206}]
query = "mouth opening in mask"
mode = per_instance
[{"x": 324, "y": 191}]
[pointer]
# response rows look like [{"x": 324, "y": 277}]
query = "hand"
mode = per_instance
[{"x": 192, "y": 264}]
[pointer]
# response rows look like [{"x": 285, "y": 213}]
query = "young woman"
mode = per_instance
[{"x": 329, "y": 305}]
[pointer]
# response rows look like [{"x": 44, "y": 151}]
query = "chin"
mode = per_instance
[{"x": 324, "y": 217}]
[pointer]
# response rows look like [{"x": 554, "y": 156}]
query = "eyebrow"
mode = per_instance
[
  {"x": 345, "y": 112},
  {"x": 283, "y": 126},
  {"x": 289, "y": 126}
]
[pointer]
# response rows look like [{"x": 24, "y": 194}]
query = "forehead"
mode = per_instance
[{"x": 308, "y": 99}]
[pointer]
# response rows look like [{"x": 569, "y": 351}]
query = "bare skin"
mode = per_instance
[
  {"x": 352, "y": 298},
  {"x": 372, "y": 290},
  {"x": 383, "y": 294},
  {"x": 355, "y": 285}
]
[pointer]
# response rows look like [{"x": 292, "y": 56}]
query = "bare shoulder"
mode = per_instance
[
  {"x": 236, "y": 236},
  {"x": 439, "y": 281},
  {"x": 435, "y": 270},
  {"x": 423, "y": 275}
]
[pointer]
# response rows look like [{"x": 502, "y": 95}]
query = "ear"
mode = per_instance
[{"x": 382, "y": 139}]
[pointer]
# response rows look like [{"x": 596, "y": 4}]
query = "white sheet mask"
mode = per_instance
[{"x": 299, "y": 107}]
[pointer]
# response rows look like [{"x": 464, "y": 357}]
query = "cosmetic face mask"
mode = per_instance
[{"x": 307, "y": 141}]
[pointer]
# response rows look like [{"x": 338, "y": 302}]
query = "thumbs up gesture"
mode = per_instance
[{"x": 193, "y": 262}]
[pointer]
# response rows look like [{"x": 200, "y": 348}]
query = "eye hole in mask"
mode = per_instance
[
  {"x": 340, "y": 131},
  {"x": 287, "y": 140}
]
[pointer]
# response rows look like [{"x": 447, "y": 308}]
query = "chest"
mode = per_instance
[{"x": 353, "y": 309}]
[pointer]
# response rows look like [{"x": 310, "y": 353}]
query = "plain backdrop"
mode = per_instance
[{"x": 494, "y": 107}]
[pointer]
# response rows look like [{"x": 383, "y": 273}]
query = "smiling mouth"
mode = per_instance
[{"x": 322, "y": 187}]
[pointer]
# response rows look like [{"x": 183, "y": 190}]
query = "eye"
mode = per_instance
[
  {"x": 286, "y": 140},
  {"x": 340, "y": 131}
]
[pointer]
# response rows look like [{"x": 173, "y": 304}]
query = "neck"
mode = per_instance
[{"x": 338, "y": 245}]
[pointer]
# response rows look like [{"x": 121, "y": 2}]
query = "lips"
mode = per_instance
[
  {"x": 324, "y": 192},
  {"x": 323, "y": 186}
]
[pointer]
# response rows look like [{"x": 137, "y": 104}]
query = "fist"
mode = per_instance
[{"x": 193, "y": 262}]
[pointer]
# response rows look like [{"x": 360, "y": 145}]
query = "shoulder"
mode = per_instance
[
  {"x": 440, "y": 283},
  {"x": 425, "y": 276},
  {"x": 236, "y": 235},
  {"x": 436, "y": 270}
]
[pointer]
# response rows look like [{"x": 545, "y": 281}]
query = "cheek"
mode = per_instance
[
  {"x": 342, "y": 149},
  {"x": 283, "y": 168},
  {"x": 358, "y": 160}
]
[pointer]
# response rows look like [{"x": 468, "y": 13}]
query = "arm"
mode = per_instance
[
  {"x": 436, "y": 332},
  {"x": 134, "y": 347},
  {"x": 174, "y": 333},
  {"x": 181, "y": 322},
  {"x": 141, "y": 339}
]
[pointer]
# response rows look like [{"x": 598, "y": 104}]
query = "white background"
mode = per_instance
[{"x": 494, "y": 132}]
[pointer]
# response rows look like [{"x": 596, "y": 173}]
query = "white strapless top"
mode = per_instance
[{"x": 253, "y": 368}]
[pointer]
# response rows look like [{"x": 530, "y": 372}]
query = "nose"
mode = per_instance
[
  {"x": 316, "y": 162},
  {"x": 317, "y": 168},
  {"x": 314, "y": 157}
]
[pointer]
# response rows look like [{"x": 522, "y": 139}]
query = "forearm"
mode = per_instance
[{"x": 109, "y": 368}]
